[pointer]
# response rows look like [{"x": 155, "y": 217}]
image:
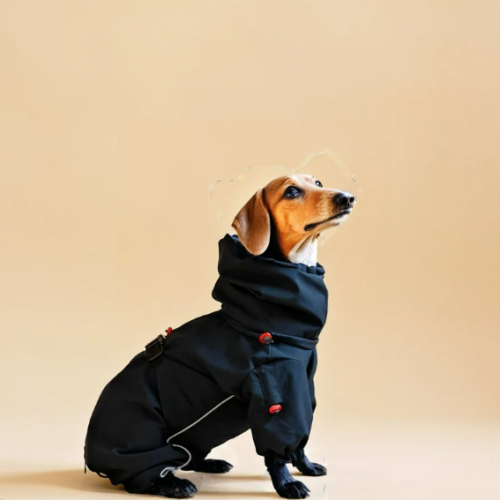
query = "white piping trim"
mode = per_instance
[{"x": 172, "y": 469}]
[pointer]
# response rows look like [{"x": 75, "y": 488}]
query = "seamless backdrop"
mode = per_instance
[{"x": 117, "y": 116}]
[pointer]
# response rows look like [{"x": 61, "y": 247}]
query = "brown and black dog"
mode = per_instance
[{"x": 254, "y": 358}]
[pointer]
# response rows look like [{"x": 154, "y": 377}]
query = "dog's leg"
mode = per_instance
[
  {"x": 209, "y": 466},
  {"x": 199, "y": 463},
  {"x": 284, "y": 484},
  {"x": 302, "y": 463},
  {"x": 174, "y": 487}
]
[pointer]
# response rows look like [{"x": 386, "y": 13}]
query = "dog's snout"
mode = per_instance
[{"x": 344, "y": 200}]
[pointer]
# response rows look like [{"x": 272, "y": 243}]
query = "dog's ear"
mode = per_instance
[{"x": 253, "y": 224}]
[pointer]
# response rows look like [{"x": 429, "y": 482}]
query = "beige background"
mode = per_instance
[{"x": 116, "y": 117}]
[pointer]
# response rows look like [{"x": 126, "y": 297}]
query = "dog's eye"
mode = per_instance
[
  {"x": 291, "y": 192},
  {"x": 318, "y": 183}
]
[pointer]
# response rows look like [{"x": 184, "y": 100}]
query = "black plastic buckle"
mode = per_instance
[{"x": 154, "y": 348}]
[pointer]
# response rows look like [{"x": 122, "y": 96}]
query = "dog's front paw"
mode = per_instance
[
  {"x": 175, "y": 487},
  {"x": 210, "y": 466},
  {"x": 312, "y": 469},
  {"x": 293, "y": 489}
]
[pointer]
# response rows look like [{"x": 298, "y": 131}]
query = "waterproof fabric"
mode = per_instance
[{"x": 214, "y": 358}]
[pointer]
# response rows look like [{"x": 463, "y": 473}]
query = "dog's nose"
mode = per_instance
[{"x": 344, "y": 200}]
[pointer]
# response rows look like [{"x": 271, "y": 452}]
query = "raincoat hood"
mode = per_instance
[{"x": 260, "y": 294}]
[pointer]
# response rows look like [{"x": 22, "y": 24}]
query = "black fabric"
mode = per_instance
[{"x": 209, "y": 359}]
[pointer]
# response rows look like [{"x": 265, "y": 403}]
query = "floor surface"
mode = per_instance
[{"x": 365, "y": 462}]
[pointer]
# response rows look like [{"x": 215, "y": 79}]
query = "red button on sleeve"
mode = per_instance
[{"x": 275, "y": 409}]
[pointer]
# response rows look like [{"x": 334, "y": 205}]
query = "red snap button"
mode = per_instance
[
  {"x": 266, "y": 338},
  {"x": 169, "y": 330},
  {"x": 275, "y": 409}
]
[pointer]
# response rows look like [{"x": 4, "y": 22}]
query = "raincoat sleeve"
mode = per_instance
[{"x": 285, "y": 383}]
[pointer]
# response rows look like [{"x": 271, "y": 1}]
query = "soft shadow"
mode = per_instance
[
  {"x": 236, "y": 494},
  {"x": 212, "y": 485},
  {"x": 250, "y": 477},
  {"x": 70, "y": 479},
  {"x": 78, "y": 480}
]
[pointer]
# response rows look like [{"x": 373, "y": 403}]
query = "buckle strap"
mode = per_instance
[{"x": 155, "y": 348}]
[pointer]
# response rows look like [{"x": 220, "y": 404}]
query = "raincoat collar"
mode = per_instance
[{"x": 260, "y": 294}]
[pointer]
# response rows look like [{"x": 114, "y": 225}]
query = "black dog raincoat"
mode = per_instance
[{"x": 249, "y": 365}]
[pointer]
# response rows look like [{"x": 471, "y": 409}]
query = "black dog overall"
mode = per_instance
[{"x": 249, "y": 365}]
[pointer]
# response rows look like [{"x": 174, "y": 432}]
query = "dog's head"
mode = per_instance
[{"x": 297, "y": 206}]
